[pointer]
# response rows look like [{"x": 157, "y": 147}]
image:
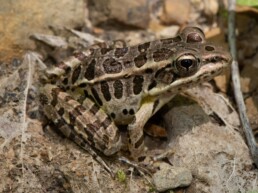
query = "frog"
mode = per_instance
[{"x": 90, "y": 94}]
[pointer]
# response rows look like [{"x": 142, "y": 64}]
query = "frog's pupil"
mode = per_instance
[{"x": 186, "y": 63}]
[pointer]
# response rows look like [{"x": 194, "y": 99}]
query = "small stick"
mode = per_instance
[{"x": 236, "y": 84}]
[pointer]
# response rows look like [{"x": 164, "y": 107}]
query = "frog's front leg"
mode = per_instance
[
  {"x": 135, "y": 129},
  {"x": 136, "y": 136}
]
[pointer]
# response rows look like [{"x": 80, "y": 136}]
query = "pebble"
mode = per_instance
[
  {"x": 170, "y": 177},
  {"x": 175, "y": 13}
]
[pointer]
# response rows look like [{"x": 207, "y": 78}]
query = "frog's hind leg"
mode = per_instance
[{"x": 78, "y": 123}]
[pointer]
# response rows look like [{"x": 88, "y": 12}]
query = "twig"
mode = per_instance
[
  {"x": 236, "y": 84},
  {"x": 232, "y": 173},
  {"x": 26, "y": 61}
]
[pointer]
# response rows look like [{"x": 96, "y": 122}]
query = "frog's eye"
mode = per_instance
[{"x": 186, "y": 65}]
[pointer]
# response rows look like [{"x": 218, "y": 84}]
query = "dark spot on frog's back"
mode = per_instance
[
  {"x": 137, "y": 84},
  {"x": 140, "y": 60},
  {"x": 76, "y": 74},
  {"x": 120, "y": 52},
  {"x": 128, "y": 64},
  {"x": 118, "y": 89},
  {"x": 143, "y": 47},
  {"x": 112, "y": 66},
  {"x": 90, "y": 70},
  {"x": 162, "y": 54},
  {"x": 105, "y": 50},
  {"x": 105, "y": 90}
]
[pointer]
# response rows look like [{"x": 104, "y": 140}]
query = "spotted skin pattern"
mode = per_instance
[{"x": 88, "y": 95}]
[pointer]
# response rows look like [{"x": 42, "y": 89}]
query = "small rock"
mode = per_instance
[
  {"x": 175, "y": 13},
  {"x": 121, "y": 12},
  {"x": 169, "y": 31},
  {"x": 170, "y": 177},
  {"x": 211, "y": 7}
]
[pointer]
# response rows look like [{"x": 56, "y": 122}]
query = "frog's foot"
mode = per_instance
[
  {"x": 141, "y": 169},
  {"x": 148, "y": 163}
]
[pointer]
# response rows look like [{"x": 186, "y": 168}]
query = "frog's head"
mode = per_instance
[{"x": 190, "y": 65}]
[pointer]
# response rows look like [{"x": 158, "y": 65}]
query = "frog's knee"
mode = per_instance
[{"x": 114, "y": 145}]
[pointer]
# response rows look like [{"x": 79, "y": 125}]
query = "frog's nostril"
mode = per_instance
[{"x": 209, "y": 48}]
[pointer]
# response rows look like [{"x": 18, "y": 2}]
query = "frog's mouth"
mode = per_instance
[{"x": 215, "y": 58}]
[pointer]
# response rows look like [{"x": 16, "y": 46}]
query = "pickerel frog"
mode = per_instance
[{"x": 88, "y": 95}]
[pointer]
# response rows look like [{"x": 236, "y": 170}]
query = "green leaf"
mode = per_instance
[
  {"x": 253, "y": 191},
  {"x": 253, "y": 3},
  {"x": 121, "y": 176}
]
